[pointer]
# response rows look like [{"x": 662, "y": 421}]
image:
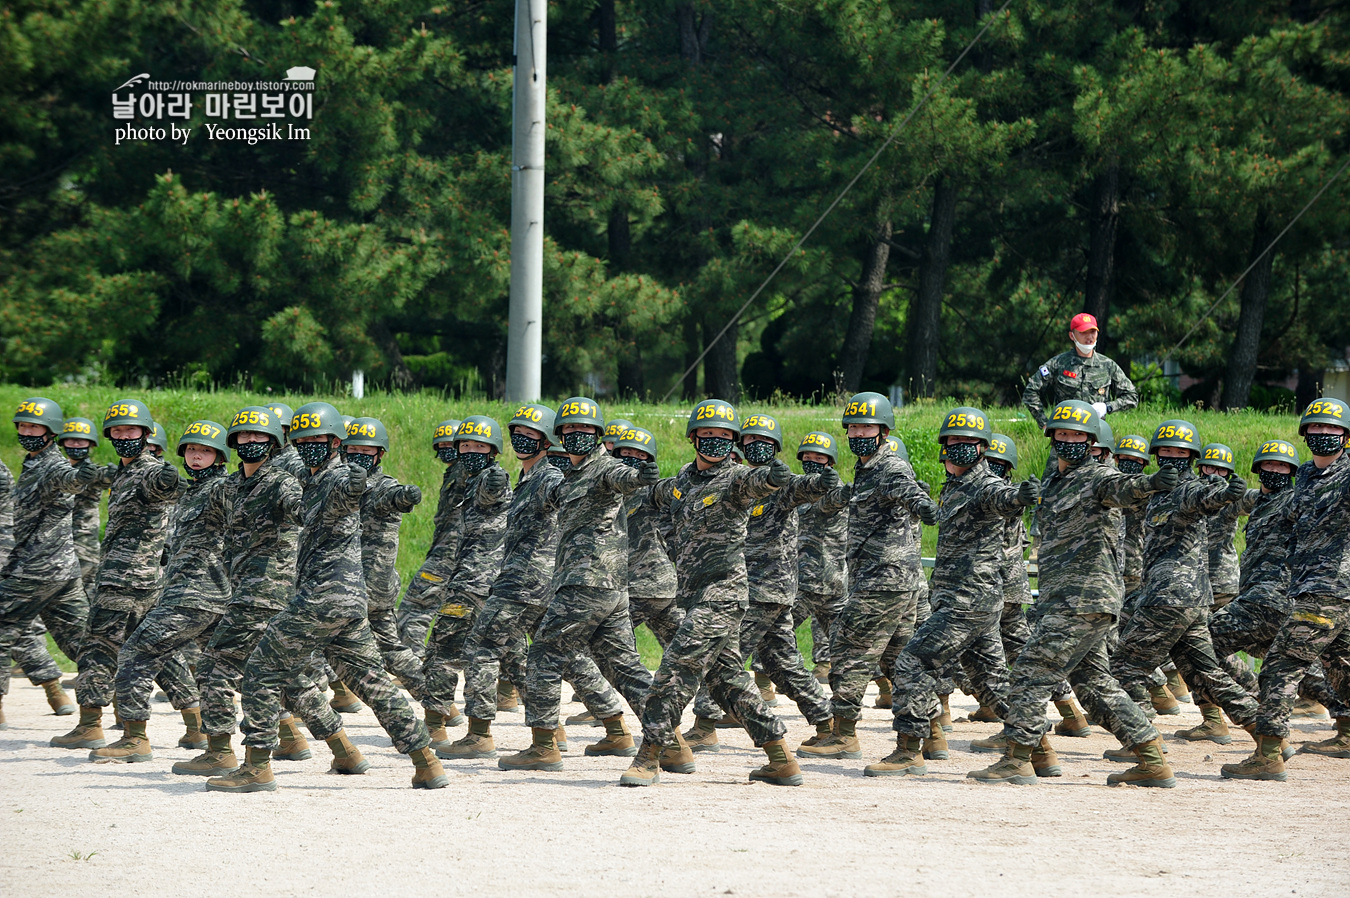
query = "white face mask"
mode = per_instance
[{"x": 1085, "y": 348}]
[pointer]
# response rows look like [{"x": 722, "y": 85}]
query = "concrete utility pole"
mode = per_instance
[{"x": 524, "y": 343}]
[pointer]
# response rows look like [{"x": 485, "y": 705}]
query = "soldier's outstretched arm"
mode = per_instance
[
  {"x": 804, "y": 488},
  {"x": 346, "y": 495},
  {"x": 901, "y": 489},
  {"x": 1010, "y": 499},
  {"x": 1124, "y": 394},
  {"x": 164, "y": 484},
  {"x": 493, "y": 487},
  {"x": 752, "y": 484},
  {"x": 836, "y": 500},
  {"x": 77, "y": 478},
  {"x": 662, "y": 493}
]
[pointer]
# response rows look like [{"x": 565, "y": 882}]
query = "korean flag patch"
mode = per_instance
[{"x": 1045, "y": 371}]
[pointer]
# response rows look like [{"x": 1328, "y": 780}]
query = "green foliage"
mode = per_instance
[{"x": 688, "y": 148}]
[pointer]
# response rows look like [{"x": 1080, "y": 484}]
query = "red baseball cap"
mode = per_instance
[{"x": 1083, "y": 322}]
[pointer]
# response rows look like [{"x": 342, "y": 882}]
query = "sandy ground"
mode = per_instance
[{"x": 139, "y": 829}]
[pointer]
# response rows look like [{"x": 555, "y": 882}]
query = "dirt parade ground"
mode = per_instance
[{"x": 139, "y": 829}]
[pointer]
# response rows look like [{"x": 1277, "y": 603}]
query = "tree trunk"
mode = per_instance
[
  {"x": 1237, "y": 381},
  {"x": 721, "y": 379},
  {"x": 1103, "y": 223},
  {"x": 689, "y": 388},
  {"x": 866, "y": 297},
  {"x": 925, "y": 312},
  {"x": 694, "y": 33},
  {"x": 1309, "y": 387},
  {"x": 607, "y": 25},
  {"x": 631, "y": 382},
  {"x": 401, "y": 376}
]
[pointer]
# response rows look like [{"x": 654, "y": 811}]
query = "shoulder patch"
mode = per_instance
[
  {"x": 1045, "y": 371},
  {"x": 757, "y": 511},
  {"x": 708, "y": 500},
  {"x": 675, "y": 491}
]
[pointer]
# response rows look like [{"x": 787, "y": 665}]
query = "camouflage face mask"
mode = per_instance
[
  {"x": 525, "y": 447},
  {"x": 252, "y": 452},
  {"x": 631, "y": 461},
  {"x": 447, "y": 454},
  {"x": 129, "y": 448},
  {"x": 561, "y": 462},
  {"x": 1176, "y": 464},
  {"x": 864, "y": 446},
  {"x": 313, "y": 454},
  {"x": 999, "y": 467},
  {"x": 199, "y": 474},
  {"x": 33, "y": 444},
  {"x": 1071, "y": 452},
  {"x": 361, "y": 460},
  {"x": 814, "y": 467},
  {"x": 1324, "y": 444},
  {"x": 74, "y": 453},
  {"x": 1130, "y": 466},
  {"x": 963, "y": 455},
  {"x": 1276, "y": 480},
  {"x": 580, "y": 442},
  {"x": 714, "y": 448},
  {"x": 474, "y": 462},
  {"x": 758, "y": 453}
]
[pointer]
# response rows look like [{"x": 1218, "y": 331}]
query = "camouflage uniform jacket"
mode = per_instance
[
  {"x": 822, "y": 543},
  {"x": 329, "y": 580},
  {"x": 972, "y": 510},
  {"x": 883, "y": 546},
  {"x": 288, "y": 460},
  {"x": 6, "y": 514},
  {"x": 44, "y": 548},
  {"x": 1224, "y": 569},
  {"x": 1134, "y": 543},
  {"x": 1070, "y": 376},
  {"x": 531, "y": 538},
  {"x": 1016, "y": 586},
  {"x": 195, "y": 576},
  {"x": 1077, "y": 565},
  {"x": 479, "y": 520},
  {"x": 771, "y": 540},
  {"x": 1319, "y": 557},
  {"x": 441, "y": 553},
  {"x": 1265, "y": 560},
  {"x": 1176, "y": 542},
  {"x": 133, "y": 543},
  {"x": 593, "y": 535},
  {"x": 262, "y": 534},
  {"x": 651, "y": 573},
  {"x": 383, "y": 505},
  {"x": 85, "y": 521},
  {"x": 709, "y": 510}
]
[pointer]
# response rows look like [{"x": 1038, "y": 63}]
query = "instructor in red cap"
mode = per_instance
[{"x": 1080, "y": 373}]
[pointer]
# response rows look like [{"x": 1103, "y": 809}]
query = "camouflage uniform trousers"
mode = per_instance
[
  {"x": 445, "y": 655},
  {"x": 1157, "y": 632},
  {"x": 583, "y": 620},
  {"x": 30, "y": 653},
  {"x": 1014, "y": 626},
  {"x": 706, "y": 648},
  {"x": 417, "y": 612},
  {"x": 858, "y": 636},
  {"x": 767, "y": 630},
  {"x": 158, "y": 641},
  {"x": 951, "y": 633},
  {"x": 1073, "y": 646},
  {"x": 110, "y": 626},
  {"x": 399, "y": 660},
  {"x": 902, "y": 635},
  {"x": 497, "y": 650},
  {"x": 237, "y": 635},
  {"x": 948, "y": 675},
  {"x": 821, "y": 610},
  {"x": 1250, "y": 627},
  {"x": 1133, "y": 593},
  {"x": 1317, "y": 628},
  {"x": 276, "y": 673},
  {"x": 60, "y": 605},
  {"x": 662, "y": 617}
]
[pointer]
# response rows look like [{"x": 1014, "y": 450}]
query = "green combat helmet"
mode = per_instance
[
  {"x": 898, "y": 447},
  {"x": 157, "y": 438},
  {"x": 367, "y": 432},
  {"x": 78, "y": 429},
  {"x": 763, "y": 426},
  {"x": 1217, "y": 455},
  {"x": 317, "y": 419},
  {"x": 1106, "y": 437},
  {"x": 283, "y": 412},
  {"x": 445, "y": 432},
  {"x": 1324, "y": 411},
  {"x": 1134, "y": 446},
  {"x": 714, "y": 413},
  {"x": 639, "y": 439},
  {"x": 1073, "y": 414},
  {"x": 483, "y": 429},
  {"x": 1002, "y": 448},
  {"x": 819, "y": 441},
  {"x": 615, "y": 428},
  {"x": 128, "y": 413},
  {"x": 206, "y": 433},
  {"x": 579, "y": 410},
  {"x": 255, "y": 419},
  {"x": 965, "y": 421},
  {"x": 869, "y": 408},
  {"x": 536, "y": 417},
  {"x": 1275, "y": 450},
  {"x": 1176, "y": 433},
  {"x": 38, "y": 410}
]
